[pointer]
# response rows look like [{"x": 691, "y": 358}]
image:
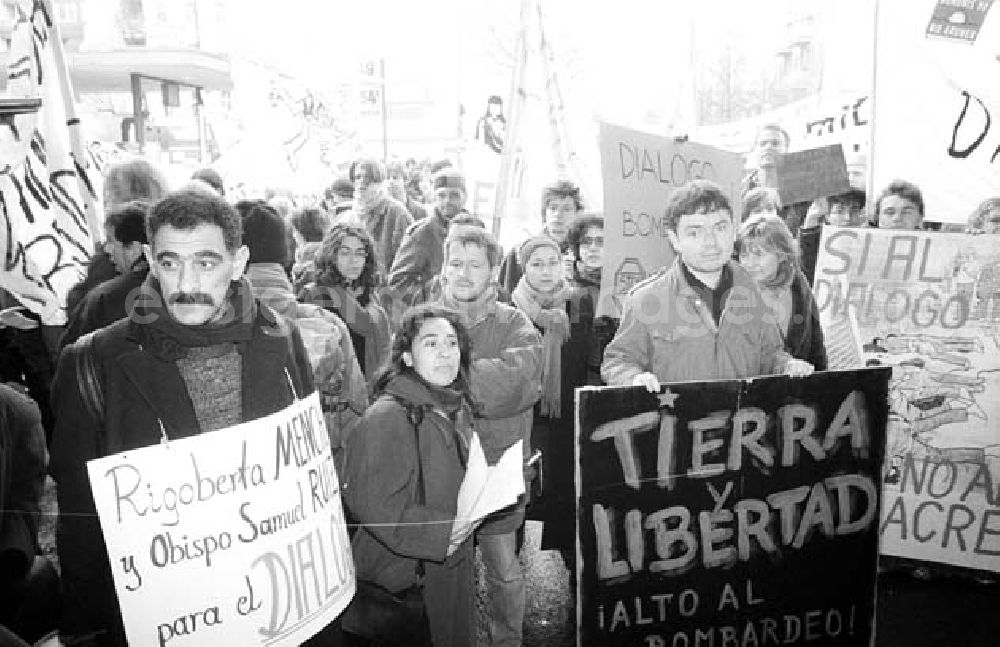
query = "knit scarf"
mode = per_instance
[
  {"x": 169, "y": 339},
  {"x": 449, "y": 401},
  {"x": 548, "y": 311}
]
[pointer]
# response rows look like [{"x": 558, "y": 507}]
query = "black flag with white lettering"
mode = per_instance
[{"x": 740, "y": 512}]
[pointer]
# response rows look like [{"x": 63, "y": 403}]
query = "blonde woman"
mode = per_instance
[{"x": 768, "y": 252}]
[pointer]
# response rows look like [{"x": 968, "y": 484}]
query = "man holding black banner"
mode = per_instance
[
  {"x": 704, "y": 318},
  {"x": 196, "y": 354}
]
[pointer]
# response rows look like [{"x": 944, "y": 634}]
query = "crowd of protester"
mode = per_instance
[{"x": 418, "y": 331}]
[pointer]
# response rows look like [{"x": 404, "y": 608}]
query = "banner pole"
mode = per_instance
[
  {"x": 73, "y": 125},
  {"x": 870, "y": 180},
  {"x": 516, "y": 101}
]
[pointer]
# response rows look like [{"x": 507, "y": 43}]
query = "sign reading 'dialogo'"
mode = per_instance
[
  {"x": 730, "y": 512},
  {"x": 640, "y": 171},
  {"x": 926, "y": 304},
  {"x": 234, "y": 537}
]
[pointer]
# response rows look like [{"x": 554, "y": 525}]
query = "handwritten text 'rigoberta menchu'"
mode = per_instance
[
  {"x": 299, "y": 440},
  {"x": 841, "y": 504}
]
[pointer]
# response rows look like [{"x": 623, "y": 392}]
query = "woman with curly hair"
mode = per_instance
[{"x": 346, "y": 280}]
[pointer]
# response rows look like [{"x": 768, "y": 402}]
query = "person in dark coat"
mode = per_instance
[
  {"x": 769, "y": 253},
  {"x": 105, "y": 304},
  {"x": 585, "y": 242},
  {"x": 179, "y": 365},
  {"x": 564, "y": 317},
  {"x": 403, "y": 473},
  {"x": 28, "y": 581},
  {"x": 418, "y": 261}
]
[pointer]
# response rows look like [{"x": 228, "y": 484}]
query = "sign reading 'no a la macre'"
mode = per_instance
[
  {"x": 234, "y": 537},
  {"x": 731, "y": 512}
]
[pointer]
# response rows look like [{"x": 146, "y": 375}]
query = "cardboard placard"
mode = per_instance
[
  {"x": 926, "y": 304},
  {"x": 810, "y": 174},
  {"x": 232, "y": 537},
  {"x": 730, "y": 512},
  {"x": 640, "y": 172}
]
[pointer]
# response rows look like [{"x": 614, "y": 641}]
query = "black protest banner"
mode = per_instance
[
  {"x": 810, "y": 174},
  {"x": 730, "y": 512}
]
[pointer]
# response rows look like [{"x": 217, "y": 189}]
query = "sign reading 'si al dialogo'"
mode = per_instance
[{"x": 252, "y": 514}]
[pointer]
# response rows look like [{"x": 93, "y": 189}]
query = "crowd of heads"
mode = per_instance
[{"x": 698, "y": 217}]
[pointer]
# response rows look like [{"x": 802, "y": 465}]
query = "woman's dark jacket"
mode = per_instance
[
  {"x": 397, "y": 531},
  {"x": 804, "y": 337}
]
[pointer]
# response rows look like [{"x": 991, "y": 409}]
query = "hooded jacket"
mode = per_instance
[{"x": 396, "y": 531}]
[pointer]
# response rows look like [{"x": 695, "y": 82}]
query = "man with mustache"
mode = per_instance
[
  {"x": 506, "y": 382},
  {"x": 196, "y": 353}
]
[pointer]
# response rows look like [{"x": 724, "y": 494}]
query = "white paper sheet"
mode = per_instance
[{"x": 487, "y": 488}]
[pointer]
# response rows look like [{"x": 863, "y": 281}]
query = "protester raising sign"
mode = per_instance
[
  {"x": 927, "y": 304},
  {"x": 640, "y": 171},
  {"x": 232, "y": 537},
  {"x": 730, "y": 512}
]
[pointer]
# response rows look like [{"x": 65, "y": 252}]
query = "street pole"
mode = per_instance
[{"x": 385, "y": 114}]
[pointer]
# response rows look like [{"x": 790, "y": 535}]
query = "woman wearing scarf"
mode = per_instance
[
  {"x": 404, "y": 468},
  {"x": 346, "y": 278},
  {"x": 564, "y": 317}
]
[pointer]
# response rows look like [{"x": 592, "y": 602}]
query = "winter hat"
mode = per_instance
[
  {"x": 448, "y": 178},
  {"x": 264, "y": 233},
  {"x": 534, "y": 243}
]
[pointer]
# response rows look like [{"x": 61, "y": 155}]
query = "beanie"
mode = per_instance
[
  {"x": 448, "y": 179},
  {"x": 531, "y": 245},
  {"x": 264, "y": 234}
]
